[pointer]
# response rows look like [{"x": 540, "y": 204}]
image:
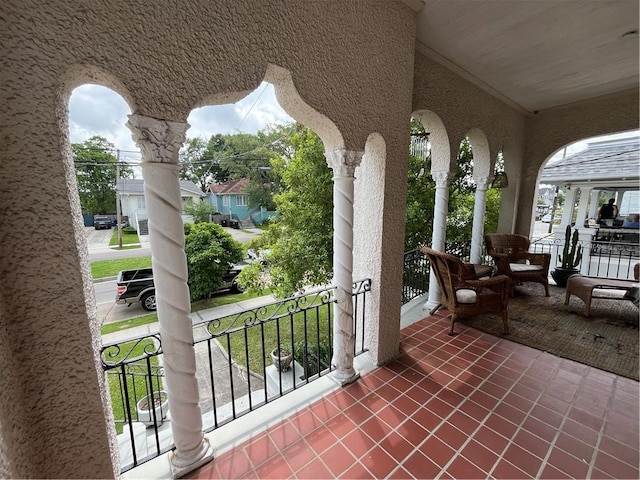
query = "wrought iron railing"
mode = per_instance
[{"x": 236, "y": 372}]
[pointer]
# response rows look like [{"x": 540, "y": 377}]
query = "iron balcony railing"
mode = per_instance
[
  {"x": 235, "y": 368},
  {"x": 605, "y": 258}
]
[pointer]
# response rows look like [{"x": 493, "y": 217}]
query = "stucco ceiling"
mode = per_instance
[{"x": 536, "y": 54}]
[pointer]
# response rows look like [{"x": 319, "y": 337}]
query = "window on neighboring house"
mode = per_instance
[
  {"x": 225, "y": 200},
  {"x": 141, "y": 203},
  {"x": 186, "y": 201},
  {"x": 242, "y": 200}
]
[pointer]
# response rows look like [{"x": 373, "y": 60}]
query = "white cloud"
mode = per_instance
[{"x": 96, "y": 110}]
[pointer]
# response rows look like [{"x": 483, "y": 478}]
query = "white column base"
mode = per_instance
[
  {"x": 343, "y": 378},
  {"x": 182, "y": 465},
  {"x": 430, "y": 305}
]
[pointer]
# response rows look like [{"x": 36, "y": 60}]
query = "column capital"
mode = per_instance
[
  {"x": 159, "y": 140},
  {"x": 343, "y": 162},
  {"x": 443, "y": 179},
  {"x": 483, "y": 183}
]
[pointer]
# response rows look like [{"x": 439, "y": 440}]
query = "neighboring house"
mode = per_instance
[
  {"x": 133, "y": 204},
  {"x": 232, "y": 198}
]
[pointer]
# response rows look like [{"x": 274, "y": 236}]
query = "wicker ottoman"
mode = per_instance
[{"x": 588, "y": 288}]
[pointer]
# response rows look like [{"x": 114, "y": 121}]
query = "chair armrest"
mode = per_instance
[
  {"x": 543, "y": 259},
  {"x": 498, "y": 284}
]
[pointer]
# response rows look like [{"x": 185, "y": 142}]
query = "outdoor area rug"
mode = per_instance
[{"x": 607, "y": 340}]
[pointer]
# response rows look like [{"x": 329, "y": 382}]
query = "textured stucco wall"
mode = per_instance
[{"x": 352, "y": 61}]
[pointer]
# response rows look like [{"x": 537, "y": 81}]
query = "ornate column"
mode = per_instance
[
  {"x": 479, "y": 206},
  {"x": 343, "y": 163},
  {"x": 443, "y": 180},
  {"x": 160, "y": 141}
]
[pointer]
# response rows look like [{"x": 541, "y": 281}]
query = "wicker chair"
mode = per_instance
[
  {"x": 513, "y": 259},
  {"x": 464, "y": 297}
]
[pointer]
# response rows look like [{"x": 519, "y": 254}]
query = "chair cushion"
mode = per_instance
[
  {"x": 466, "y": 295},
  {"x": 523, "y": 267}
]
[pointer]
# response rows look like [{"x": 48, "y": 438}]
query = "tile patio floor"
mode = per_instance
[{"x": 469, "y": 406}]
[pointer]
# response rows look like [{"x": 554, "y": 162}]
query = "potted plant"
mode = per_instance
[
  {"x": 161, "y": 407},
  {"x": 281, "y": 357},
  {"x": 569, "y": 260}
]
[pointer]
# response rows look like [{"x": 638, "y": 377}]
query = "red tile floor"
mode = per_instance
[{"x": 468, "y": 406}]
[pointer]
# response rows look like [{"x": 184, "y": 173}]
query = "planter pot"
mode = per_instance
[
  {"x": 281, "y": 363},
  {"x": 145, "y": 414},
  {"x": 561, "y": 275}
]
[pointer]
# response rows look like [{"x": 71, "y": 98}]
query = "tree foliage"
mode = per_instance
[
  {"x": 210, "y": 254},
  {"x": 300, "y": 241},
  {"x": 199, "y": 211},
  {"x": 233, "y": 156},
  {"x": 421, "y": 200},
  {"x": 95, "y": 163}
]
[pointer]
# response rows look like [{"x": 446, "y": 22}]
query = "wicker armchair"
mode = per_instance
[
  {"x": 513, "y": 259},
  {"x": 464, "y": 297}
]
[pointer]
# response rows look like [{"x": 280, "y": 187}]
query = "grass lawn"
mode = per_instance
[
  {"x": 110, "y": 268},
  {"x": 129, "y": 236}
]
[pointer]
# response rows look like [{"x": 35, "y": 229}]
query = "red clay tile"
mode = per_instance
[
  {"x": 474, "y": 410},
  {"x": 568, "y": 463},
  {"x": 627, "y": 453},
  {"x": 491, "y": 440},
  {"x": 575, "y": 447},
  {"x": 463, "y": 422},
  {"x": 539, "y": 428},
  {"x": 501, "y": 426},
  {"x": 479, "y": 455},
  {"x": 314, "y": 469},
  {"x": 419, "y": 395},
  {"x": 507, "y": 471},
  {"x": 298, "y": 454},
  {"x": 510, "y": 413},
  {"x": 437, "y": 451},
  {"x": 462, "y": 468},
  {"x": 358, "y": 443},
  {"x": 396, "y": 446},
  {"x": 375, "y": 428},
  {"x": 549, "y": 417},
  {"x": 305, "y": 422},
  {"x": 419, "y": 466},
  {"x": 399, "y": 473},
  {"x": 439, "y": 407},
  {"x": 393, "y": 416},
  {"x": 358, "y": 413},
  {"x": 337, "y": 459},
  {"x": 373, "y": 402},
  {"x": 284, "y": 435},
  {"x": 357, "y": 471},
  {"x": 525, "y": 461},
  {"x": 260, "y": 449},
  {"x": 585, "y": 418},
  {"x": 340, "y": 425},
  {"x": 552, "y": 473},
  {"x": 320, "y": 439},
  {"x": 405, "y": 404},
  {"x": 484, "y": 399},
  {"x": 275, "y": 467},
  {"x": 426, "y": 419},
  {"x": 615, "y": 468},
  {"x": 531, "y": 443},
  {"x": 412, "y": 432},
  {"x": 451, "y": 435},
  {"x": 378, "y": 462},
  {"x": 235, "y": 466}
]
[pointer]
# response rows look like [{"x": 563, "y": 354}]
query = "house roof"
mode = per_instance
[
  {"x": 232, "y": 187},
  {"x": 135, "y": 186},
  {"x": 609, "y": 164}
]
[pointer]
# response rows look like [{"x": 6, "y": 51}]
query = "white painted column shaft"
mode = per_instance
[
  {"x": 440, "y": 209},
  {"x": 479, "y": 207},
  {"x": 567, "y": 210},
  {"x": 583, "y": 205},
  {"x": 343, "y": 163},
  {"x": 160, "y": 141}
]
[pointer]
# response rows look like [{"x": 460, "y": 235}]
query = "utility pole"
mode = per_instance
[{"x": 118, "y": 213}]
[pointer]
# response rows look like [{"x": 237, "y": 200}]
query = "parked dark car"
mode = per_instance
[
  {"x": 134, "y": 286},
  {"x": 101, "y": 221}
]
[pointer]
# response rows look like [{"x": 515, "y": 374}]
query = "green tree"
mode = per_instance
[
  {"x": 95, "y": 163},
  {"x": 210, "y": 254},
  {"x": 300, "y": 241},
  {"x": 197, "y": 163},
  {"x": 200, "y": 211}
]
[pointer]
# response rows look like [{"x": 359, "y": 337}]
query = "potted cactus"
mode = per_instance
[{"x": 570, "y": 258}]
